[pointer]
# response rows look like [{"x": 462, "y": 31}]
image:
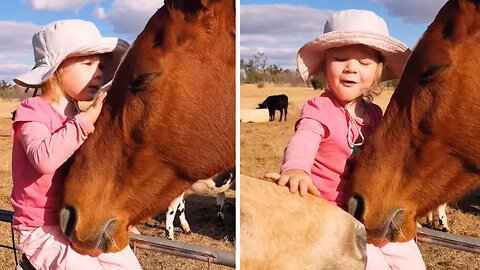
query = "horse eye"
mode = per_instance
[
  {"x": 448, "y": 29},
  {"x": 430, "y": 73},
  {"x": 159, "y": 38},
  {"x": 137, "y": 85}
]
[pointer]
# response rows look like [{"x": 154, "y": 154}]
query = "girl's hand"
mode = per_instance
[
  {"x": 133, "y": 229},
  {"x": 93, "y": 111},
  {"x": 297, "y": 180}
]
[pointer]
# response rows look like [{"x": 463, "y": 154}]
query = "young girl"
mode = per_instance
[
  {"x": 72, "y": 62},
  {"x": 355, "y": 53}
]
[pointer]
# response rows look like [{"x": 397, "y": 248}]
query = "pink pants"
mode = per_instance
[
  {"x": 47, "y": 248},
  {"x": 392, "y": 255},
  {"x": 396, "y": 256}
]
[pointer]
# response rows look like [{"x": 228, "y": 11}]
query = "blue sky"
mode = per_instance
[
  {"x": 278, "y": 28},
  {"x": 20, "y": 19}
]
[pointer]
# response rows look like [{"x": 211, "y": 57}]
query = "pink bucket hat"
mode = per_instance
[
  {"x": 67, "y": 38},
  {"x": 350, "y": 27}
]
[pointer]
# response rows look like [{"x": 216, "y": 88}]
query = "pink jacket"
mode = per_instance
[
  {"x": 320, "y": 147},
  {"x": 43, "y": 140}
]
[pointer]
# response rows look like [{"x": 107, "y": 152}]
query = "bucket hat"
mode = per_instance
[
  {"x": 67, "y": 38},
  {"x": 349, "y": 27}
]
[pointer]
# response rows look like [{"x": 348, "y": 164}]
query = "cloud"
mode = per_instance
[
  {"x": 413, "y": 11},
  {"x": 278, "y": 31},
  {"x": 138, "y": 12},
  {"x": 17, "y": 35},
  {"x": 10, "y": 71},
  {"x": 61, "y": 5},
  {"x": 126, "y": 17},
  {"x": 15, "y": 48},
  {"x": 99, "y": 13}
]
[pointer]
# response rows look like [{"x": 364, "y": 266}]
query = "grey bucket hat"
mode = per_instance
[
  {"x": 67, "y": 38},
  {"x": 350, "y": 27}
]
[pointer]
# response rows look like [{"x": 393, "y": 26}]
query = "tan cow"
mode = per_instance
[{"x": 280, "y": 230}]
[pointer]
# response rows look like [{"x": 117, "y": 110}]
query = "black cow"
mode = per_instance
[{"x": 278, "y": 102}]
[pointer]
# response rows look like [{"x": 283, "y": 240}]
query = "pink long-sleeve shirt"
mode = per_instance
[
  {"x": 43, "y": 139},
  {"x": 320, "y": 148},
  {"x": 320, "y": 145}
]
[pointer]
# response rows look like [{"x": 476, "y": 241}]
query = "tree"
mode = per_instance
[
  {"x": 4, "y": 85},
  {"x": 256, "y": 70},
  {"x": 318, "y": 82},
  {"x": 260, "y": 62}
]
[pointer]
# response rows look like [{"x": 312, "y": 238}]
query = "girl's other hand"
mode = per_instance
[
  {"x": 133, "y": 229},
  {"x": 93, "y": 111},
  {"x": 298, "y": 180}
]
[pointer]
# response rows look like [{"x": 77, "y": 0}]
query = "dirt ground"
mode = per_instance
[
  {"x": 261, "y": 151},
  {"x": 200, "y": 212}
]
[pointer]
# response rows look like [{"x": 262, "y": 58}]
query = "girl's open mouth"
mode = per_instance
[{"x": 348, "y": 83}]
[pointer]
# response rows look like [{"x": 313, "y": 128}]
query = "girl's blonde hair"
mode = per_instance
[
  {"x": 51, "y": 88},
  {"x": 374, "y": 90}
]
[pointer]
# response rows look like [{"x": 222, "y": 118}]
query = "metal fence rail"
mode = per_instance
[
  {"x": 7, "y": 216},
  {"x": 221, "y": 257},
  {"x": 156, "y": 244},
  {"x": 448, "y": 240},
  {"x": 170, "y": 247}
]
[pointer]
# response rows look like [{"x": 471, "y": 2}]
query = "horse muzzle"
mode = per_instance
[
  {"x": 390, "y": 228},
  {"x": 87, "y": 241}
]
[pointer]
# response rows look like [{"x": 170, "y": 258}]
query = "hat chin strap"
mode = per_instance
[{"x": 351, "y": 121}]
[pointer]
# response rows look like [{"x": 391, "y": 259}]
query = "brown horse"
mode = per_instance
[
  {"x": 425, "y": 151},
  {"x": 169, "y": 120},
  {"x": 280, "y": 230}
]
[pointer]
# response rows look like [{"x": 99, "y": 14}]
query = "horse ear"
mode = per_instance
[
  {"x": 186, "y": 6},
  {"x": 477, "y": 4}
]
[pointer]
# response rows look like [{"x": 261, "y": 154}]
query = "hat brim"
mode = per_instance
[
  {"x": 115, "y": 48},
  {"x": 395, "y": 53}
]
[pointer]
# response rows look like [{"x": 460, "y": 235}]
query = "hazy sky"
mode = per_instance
[
  {"x": 279, "y": 28},
  {"x": 20, "y": 19}
]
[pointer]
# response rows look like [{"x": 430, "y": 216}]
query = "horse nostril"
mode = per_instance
[
  {"x": 356, "y": 207},
  {"x": 68, "y": 220},
  {"x": 395, "y": 224},
  {"x": 111, "y": 227},
  {"x": 107, "y": 236}
]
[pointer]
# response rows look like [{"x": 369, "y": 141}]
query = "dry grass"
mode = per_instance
[
  {"x": 200, "y": 211},
  {"x": 261, "y": 151}
]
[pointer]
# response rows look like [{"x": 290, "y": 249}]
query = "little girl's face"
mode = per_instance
[
  {"x": 81, "y": 77},
  {"x": 351, "y": 70}
]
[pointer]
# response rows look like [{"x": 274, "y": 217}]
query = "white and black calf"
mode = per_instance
[
  {"x": 216, "y": 185},
  {"x": 442, "y": 218}
]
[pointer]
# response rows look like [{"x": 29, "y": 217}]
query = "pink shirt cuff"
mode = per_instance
[{"x": 85, "y": 123}]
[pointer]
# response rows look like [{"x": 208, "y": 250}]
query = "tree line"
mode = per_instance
[
  {"x": 11, "y": 91},
  {"x": 255, "y": 70}
]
